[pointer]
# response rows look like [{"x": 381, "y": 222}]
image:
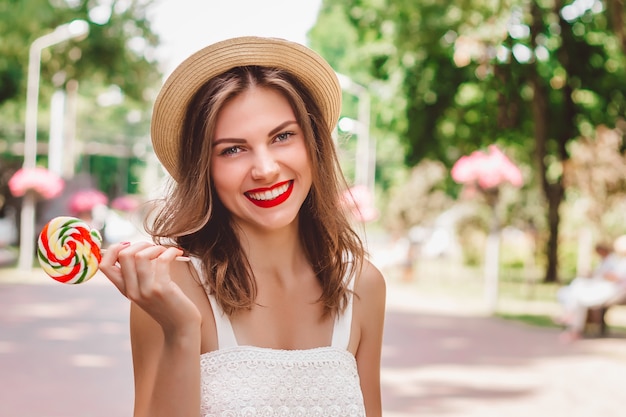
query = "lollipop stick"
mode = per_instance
[{"x": 178, "y": 258}]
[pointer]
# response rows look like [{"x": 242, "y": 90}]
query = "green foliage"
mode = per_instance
[
  {"x": 333, "y": 36},
  {"x": 530, "y": 76},
  {"x": 337, "y": 41},
  {"x": 439, "y": 50},
  {"x": 115, "y": 60},
  {"x": 116, "y": 51},
  {"x": 472, "y": 232},
  {"x": 123, "y": 175},
  {"x": 419, "y": 199}
]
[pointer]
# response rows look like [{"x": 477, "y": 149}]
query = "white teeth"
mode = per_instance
[{"x": 271, "y": 194}]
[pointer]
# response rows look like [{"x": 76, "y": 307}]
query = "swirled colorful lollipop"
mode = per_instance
[{"x": 69, "y": 250}]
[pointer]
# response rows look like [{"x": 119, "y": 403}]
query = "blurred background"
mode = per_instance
[
  {"x": 426, "y": 85},
  {"x": 483, "y": 141}
]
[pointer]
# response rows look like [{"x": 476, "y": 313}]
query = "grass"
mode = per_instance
[
  {"x": 451, "y": 278},
  {"x": 521, "y": 294},
  {"x": 538, "y": 320}
]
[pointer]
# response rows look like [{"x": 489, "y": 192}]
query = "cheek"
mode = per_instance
[
  {"x": 307, "y": 164},
  {"x": 227, "y": 178},
  {"x": 220, "y": 179},
  {"x": 300, "y": 156}
]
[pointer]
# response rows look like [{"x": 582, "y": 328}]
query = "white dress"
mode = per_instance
[
  {"x": 240, "y": 381},
  {"x": 584, "y": 293}
]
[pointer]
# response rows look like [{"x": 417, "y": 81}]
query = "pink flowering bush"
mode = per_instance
[
  {"x": 44, "y": 183},
  {"x": 359, "y": 201},
  {"x": 485, "y": 173},
  {"x": 487, "y": 170},
  {"x": 85, "y": 200},
  {"x": 125, "y": 203}
]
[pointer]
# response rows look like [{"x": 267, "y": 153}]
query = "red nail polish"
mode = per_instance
[{"x": 124, "y": 243}]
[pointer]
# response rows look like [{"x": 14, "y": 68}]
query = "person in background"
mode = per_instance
[
  {"x": 606, "y": 285},
  {"x": 279, "y": 312}
]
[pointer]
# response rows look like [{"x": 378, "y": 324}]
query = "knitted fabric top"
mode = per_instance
[{"x": 240, "y": 381}]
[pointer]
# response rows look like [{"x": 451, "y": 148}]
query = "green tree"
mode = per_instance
[
  {"x": 114, "y": 67},
  {"x": 118, "y": 49},
  {"x": 337, "y": 40},
  {"x": 532, "y": 76}
]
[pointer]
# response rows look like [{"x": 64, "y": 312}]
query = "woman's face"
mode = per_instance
[{"x": 259, "y": 164}]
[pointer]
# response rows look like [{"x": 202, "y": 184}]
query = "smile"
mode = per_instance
[{"x": 271, "y": 197}]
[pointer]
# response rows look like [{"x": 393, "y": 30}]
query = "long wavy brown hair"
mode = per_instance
[{"x": 193, "y": 217}]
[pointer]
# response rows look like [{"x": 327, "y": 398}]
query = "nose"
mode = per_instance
[{"x": 265, "y": 166}]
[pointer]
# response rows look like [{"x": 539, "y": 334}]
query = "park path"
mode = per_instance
[
  {"x": 445, "y": 358},
  {"x": 64, "y": 352}
]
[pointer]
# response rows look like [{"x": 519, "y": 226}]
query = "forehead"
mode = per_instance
[{"x": 255, "y": 108}]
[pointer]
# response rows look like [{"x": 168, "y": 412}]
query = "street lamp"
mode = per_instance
[
  {"x": 365, "y": 148},
  {"x": 74, "y": 29}
]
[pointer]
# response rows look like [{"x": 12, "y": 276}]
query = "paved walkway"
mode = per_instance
[
  {"x": 64, "y": 352},
  {"x": 445, "y": 358}
]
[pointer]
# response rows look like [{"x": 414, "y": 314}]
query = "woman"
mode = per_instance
[
  {"x": 607, "y": 285},
  {"x": 279, "y": 312}
]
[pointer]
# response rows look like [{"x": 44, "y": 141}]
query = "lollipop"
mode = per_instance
[{"x": 69, "y": 250}]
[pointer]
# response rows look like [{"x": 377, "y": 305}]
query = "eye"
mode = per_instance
[
  {"x": 231, "y": 150},
  {"x": 284, "y": 136}
]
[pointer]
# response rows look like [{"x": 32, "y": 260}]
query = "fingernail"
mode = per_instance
[{"x": 124, "y": 243}]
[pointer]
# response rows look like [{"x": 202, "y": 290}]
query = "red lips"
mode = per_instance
[{"x": 270, "y": 202}]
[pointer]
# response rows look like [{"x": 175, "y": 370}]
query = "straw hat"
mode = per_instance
[{"x": 180, "y": 87}]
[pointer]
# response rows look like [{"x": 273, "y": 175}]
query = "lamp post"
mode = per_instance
[
  {"x": 487, "y": 172},
  {"x": 365, "y": 148},
  {"x": 74, "y": 29}
]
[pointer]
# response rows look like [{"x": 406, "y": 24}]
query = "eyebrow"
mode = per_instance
[{"x": 271, "y": 133}]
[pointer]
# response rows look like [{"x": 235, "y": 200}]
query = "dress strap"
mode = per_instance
[
  {"x": 225, "y": 333},
  {"x": 343, "y": 323}
]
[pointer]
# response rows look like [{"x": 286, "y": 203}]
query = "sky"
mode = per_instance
[{"x": 186, "y": 26}]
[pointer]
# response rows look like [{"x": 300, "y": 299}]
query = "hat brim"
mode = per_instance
[{"x": 180, "y": 87}]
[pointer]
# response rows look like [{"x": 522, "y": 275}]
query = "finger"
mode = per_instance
[
  {"x": 110, "y": 268},
  {"x": 109, "y": 257},
  {"x": 164, "y": 262},
  {"x": 127, "y": 261},
  {"x": 171, "y": 254},
  {"x": 153, "y": 267},
  {"x": 145, "y": 264}
]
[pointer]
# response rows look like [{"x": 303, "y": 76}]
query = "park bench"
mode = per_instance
[{"x": 596, "y": 317}]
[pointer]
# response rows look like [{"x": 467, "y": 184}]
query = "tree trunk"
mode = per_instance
[
  {"x": 554, "y": 194},
  {"x": 615, "y": 14},
  {"x": 552, "y": 189},
  {"x": 566, "y": 132}
]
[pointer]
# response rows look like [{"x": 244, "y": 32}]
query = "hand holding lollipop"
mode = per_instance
[{"x": 69, "y": 250}]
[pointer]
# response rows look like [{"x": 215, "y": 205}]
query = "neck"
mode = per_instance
[{"x": 276, "y": 254}]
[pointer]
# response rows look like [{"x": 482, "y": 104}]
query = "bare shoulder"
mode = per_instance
[
  {"x": 188, "y": 279},
  {"x": 370, "y": 296},
  {"x": 367, "y": 333},
  {"x": 370, "y": 284}
]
